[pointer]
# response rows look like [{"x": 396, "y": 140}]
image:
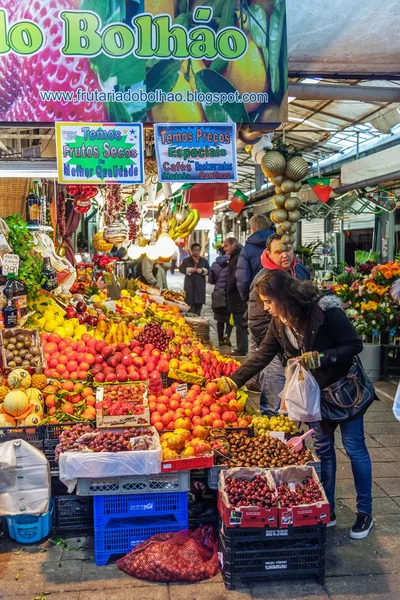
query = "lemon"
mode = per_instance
[
  {"x": 59, "y": 318},
  {"x": 181, "y": 112},
  {"x": 74, "y": 322},
  {"x": 251, "y": 65},
  {"x": 97, "y": 298},
  {"x": 68, "y": 328},
  {"x": 50, "y": 325},
  {"x": 48, "y": 314},
  {"x": 79, "y": 331},
  {"x": 61, "y": 331}
]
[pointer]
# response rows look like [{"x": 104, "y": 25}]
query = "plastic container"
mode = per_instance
[
  {"x": 140, "y": 484},
  {"x": 28, "y": 529},
  {"x": 213, "y": 476},
  {"x": 184, "y": 464},
  {"x": 107, "y": 508},
  {"x": 276, "y": 559},
  {"x": 247, "y": 538},
  {"x": 32, "y": 435},
  {"x": 73, "y": 513},
  {"x": 123, "y": 535}
]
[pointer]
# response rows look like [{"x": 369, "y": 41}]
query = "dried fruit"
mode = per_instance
[{"x": 39, "y": 381}]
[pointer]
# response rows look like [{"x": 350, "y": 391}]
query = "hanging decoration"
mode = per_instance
[
  {"x": 285, "y": 168},
  {"x": 100, "y": 244},
  {"x": 114, "y": 202},
  {"x": 132, "y": 216},
  {"x": 384, "y": 199},
  {"x": 238, "y": 201},
  {"x": 61, "y": 214},
  {"x": 116, "y": 232},
  {"x": 321, "y": 187}
]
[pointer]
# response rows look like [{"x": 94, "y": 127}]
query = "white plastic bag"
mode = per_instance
[
  {"x": 396, "y": 404},
  {"x": 301, "y": 393}
]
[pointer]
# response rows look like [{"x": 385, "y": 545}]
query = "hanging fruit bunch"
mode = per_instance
[
  {"x": 100, "y": 244},
  {"x": 285, "y": 169},
  {"x": 61, "y": 214},
  {"x": 132, "y": 216},
  {"x": 114, "y": 202}
]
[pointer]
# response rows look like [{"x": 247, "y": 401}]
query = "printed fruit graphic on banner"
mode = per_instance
[{"x": 50, "y": 71}]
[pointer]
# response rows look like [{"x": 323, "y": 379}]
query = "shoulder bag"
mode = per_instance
[
  {"x": 218, "y": 299},
  {"x": 349, "y": 397}
]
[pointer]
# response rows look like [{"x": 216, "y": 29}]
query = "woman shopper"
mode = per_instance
[
  {"x": 314, "y": 327},
  {"x": 195, "y": 269},
  {"x": 219, "y": 278}
]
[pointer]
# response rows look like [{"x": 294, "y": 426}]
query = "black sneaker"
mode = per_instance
[
  {"x": 361, "y": 527},
  {"x": 227, "y": 341},
  {"x": 332, "y": 522}
]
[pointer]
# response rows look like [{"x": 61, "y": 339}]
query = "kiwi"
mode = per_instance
[
  {"x": 35, "y": 362},
  {"x": 19, "y": 345},
  {"x": 35, "y": 351},
  {"x": 26, "y": 363},
  {"x": 20, "y": 337},
  {"x": 12, "y": 340},
  {"x": 23, "y": 352},
  {"x": 18, "y": 360},
  {"x": 7, "y": 334},
  {"x": 12, "y": 364},
  {"x": 9, "y": 355},
  {"x": 27, "y": 342},
  {"x": 11, "y": 347},
  {"x": 28, "y": 356},
  {"x": 16, "y": 353}
]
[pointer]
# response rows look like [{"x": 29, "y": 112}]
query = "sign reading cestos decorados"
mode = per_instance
[
  {"x": 196, "y": 153},
  {"x": 152, "y": 61},
  {"x": 100, "y": 153}
]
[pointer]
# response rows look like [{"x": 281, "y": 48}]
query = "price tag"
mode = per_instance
[
  {"x": 279, "y": 435},
  {"x": 10, "y": 264},
  {"x": 182, "y": 389}
]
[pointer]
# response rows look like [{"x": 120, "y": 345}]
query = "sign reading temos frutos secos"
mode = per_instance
[{"x": 171, "y": 61}]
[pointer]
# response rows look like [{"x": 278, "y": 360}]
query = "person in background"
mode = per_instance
[
  {"x": 195, "y": 268},
  {"x": 219, "y": 278},
  {"x": 174, "y": 260},
  {"x": 236, "y": 306},
  {"x": 315, "y": 328},
  {"x": 272, "y": 379},
  {"x": 155, "y": 272},
  {"x": 249, "y": 263}
]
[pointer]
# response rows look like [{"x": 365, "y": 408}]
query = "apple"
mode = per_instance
[
  {"x": 107, "y": 351},
  {"x": 70, "y": 312},
  {"x": 120, "y": 346},
  {"x": 108, "y": 370},
  {"x": 112, "y": 361},
  {"x": 149, "y": 347},
  {"x": 126, "y": 360},
  {"x": 134, "y": 376},
  {"x": 163, "y": 366},
  {"x": 133, "y": 344},
  {"x": 99, "y": 345},
  {"x": 143, "y": 373},
  {"x": 211, "y": 388},
  {"x": 98, "y": 359},
  {"x": 72, "y": 365},
  {"x": 111, "y": 377},
  {"x": 138, "y": 361},
  {"x": 80, "y": 307},
  {"x": 118, "y": 356},
  {"x": 122, "y": 376},
  {"x": 125, "y": 351}
]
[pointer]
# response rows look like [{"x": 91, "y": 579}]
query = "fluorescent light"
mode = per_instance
[{"x": 28, "y": 174}]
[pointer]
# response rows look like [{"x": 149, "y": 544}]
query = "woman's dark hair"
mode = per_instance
[{"x": 294, "y": 298}]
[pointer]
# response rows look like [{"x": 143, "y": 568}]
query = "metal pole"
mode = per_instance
[
  {"x": 342, "y": 242},
  {"x": 320, "y": 91},
  {"x": 391, "y": 236}
]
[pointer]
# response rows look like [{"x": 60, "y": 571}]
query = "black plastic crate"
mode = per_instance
[
  {"x": 32, "y": 435},
  {"x": 273, "y": 558},
  {"x": 249, "y": 538},
  {"x": 51, "y": 441},
  {"x": 73, "y": 513}
]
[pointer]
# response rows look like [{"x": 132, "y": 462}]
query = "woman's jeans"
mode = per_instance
[
  {"x": 272, "y": 382},
  {"x": 354, "y": 444}
]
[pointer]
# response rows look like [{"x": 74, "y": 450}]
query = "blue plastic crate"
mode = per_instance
[
  {"x": 140, "y": 505},
  {"x": 28, "y": 529},
  {"x": 121, "y": 536}
]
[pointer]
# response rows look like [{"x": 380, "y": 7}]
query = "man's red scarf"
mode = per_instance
[{"x": 267, "y": 263}]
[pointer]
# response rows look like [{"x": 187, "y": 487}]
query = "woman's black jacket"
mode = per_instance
[{"x": 328, "y": 331}]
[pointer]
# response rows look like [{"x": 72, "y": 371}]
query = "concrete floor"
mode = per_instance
[{"x": 363, "y": 570}]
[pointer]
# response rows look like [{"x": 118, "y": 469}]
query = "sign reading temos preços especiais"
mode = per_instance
[
  {"x": 164, "y": 61},
  {"x": 100, "y": 153},
  {"x": 196, "y": 153}
]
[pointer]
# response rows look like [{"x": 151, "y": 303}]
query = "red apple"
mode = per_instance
[
  {"x": 125, "y": 351},
  {"x": 163, "y": 366},
  {"x": 70, "y": 312},
  {"x": 98, "y": 359},
  {"x": 134, "y": 376},
  {"x": 100, "y": 377},
  {"x": 149, "y": 347},
  {"x": 126, "y": 360},
  {"x": 72, "y": 365},
  {"x": 138, "y": 361},
  {"x": 112, "y": 361},
  {"x": 120, "y": 346},
  {"x": 108, "y": 370},
  {"x": 107, "y": 351},
  {"x": 111, "y": 377},
  {"x": 99, "y": 345},
  {"x": 143, "y": 373},
  {"x": 122, "y": 376}
]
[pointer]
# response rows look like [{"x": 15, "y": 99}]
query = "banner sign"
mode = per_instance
[
  {"x": 100, "y": 153},
  {"x": 196, "y": 153},
  {"x": 165, "y": 61}
]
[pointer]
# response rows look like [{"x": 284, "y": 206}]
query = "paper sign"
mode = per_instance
[
  {"x": 100, "y": 152},
  {"x": 196, "y": 153},
  {"x": 182, "y": 389},
  {"x": 10, "y": 264},
  {"x": 279, "y": 435}
]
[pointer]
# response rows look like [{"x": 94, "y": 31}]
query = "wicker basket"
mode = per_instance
[{"x": 13, "y": 193}]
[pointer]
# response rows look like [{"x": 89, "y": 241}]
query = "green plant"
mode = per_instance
[{"x": 30, "y": 267}]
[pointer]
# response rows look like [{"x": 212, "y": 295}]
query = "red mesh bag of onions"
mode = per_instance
[{"x": 183, "y": 556}]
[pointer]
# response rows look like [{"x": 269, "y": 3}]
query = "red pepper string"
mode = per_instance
[{"x": 61, "y": 214}]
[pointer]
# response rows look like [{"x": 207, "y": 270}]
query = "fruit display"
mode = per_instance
[
  {"x": 21, "y": 348},
  {"x": 251, "y": 492},
  {"x": 20, "y": 405},
  {"x": 306, "y": 492},
  {"x": 173, "y": 295},
  {"x": 69, "y": 402},
  {"x": 265, "y": 452},
  {"x": 182, "y": 443},
  {"x": 83, "y": 438},
  {"x": 122, "y": 400},
  {"x": 263, "y": 424},
  {"x": 169, "y": 410},
  {"x": 154, "y": 334}
]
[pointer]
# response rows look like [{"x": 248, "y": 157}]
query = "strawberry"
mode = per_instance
[
  {"x": 9, "y": 68},
  {"x": 49, "y": 70}
]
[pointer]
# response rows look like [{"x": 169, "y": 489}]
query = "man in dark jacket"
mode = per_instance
[
  {"x": 236, "y": 306},
  {"x": 272, "y": 378},
  {"x": 249, "y": 263},
  {"x": 195, "y": 268}
]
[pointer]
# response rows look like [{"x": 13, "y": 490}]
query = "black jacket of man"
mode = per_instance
[{"x": 235, "y": 302}]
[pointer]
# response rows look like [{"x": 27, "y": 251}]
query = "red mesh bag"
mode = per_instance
[{"x": 183, "y": 556}]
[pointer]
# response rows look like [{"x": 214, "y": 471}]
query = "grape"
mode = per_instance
[{"x": 83, "y": 438}]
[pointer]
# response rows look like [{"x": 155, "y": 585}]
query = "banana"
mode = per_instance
[
  {"x": 195, "y": 221},
  {"x": 186, "y": 224}
]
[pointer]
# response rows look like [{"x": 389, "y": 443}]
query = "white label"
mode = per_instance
[
  {"x": 279, "y": 435},
  {"x": 277, "y": 564},
  {"x": 182, "y": 389},
  {"x": 10, "y": 264}
]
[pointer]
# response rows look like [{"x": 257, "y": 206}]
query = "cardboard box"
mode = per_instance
[
  {"x": 245, "y": 516},
  {"x": 139, "y": 418},
  {"x": 317, "y": 513}
]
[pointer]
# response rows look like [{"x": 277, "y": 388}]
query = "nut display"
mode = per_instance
[
  {"x": 265, "y": 452},
  {"x": 256, "y": 492},
  {"x": 20, "y": 350}
]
